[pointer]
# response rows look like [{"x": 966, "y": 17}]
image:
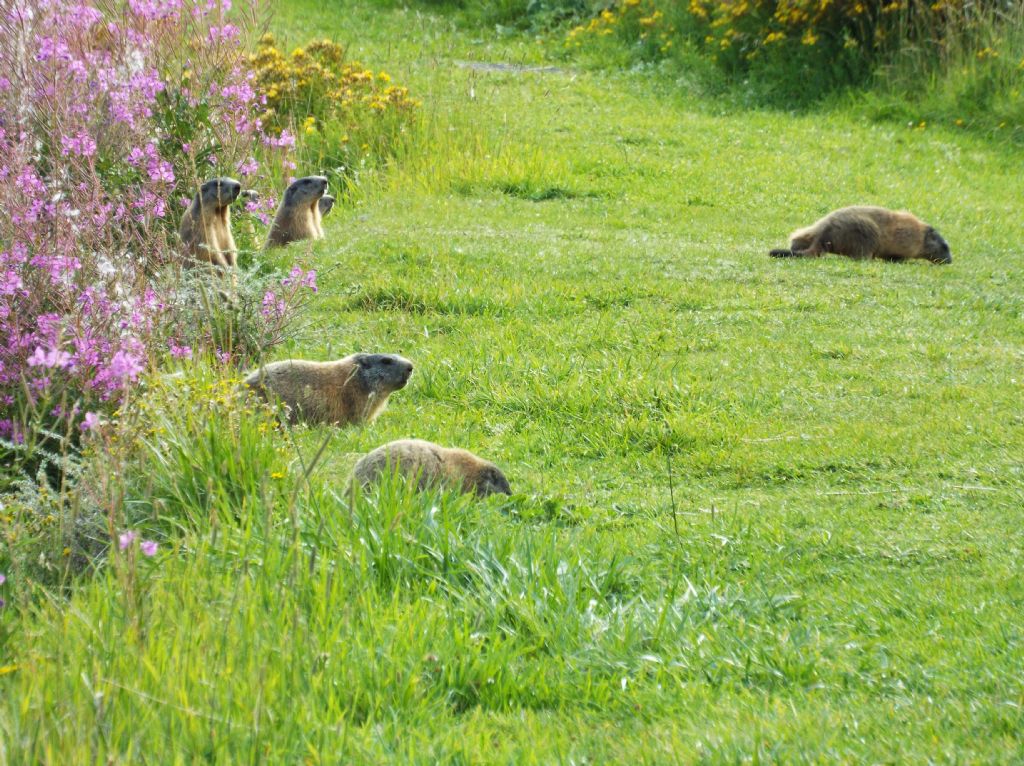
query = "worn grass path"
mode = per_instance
[{"x": 578, "y": 268}]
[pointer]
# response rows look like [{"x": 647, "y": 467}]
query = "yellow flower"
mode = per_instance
[
  {"x": 277, "y": 475},
  {"x": 384, "y": 77}
]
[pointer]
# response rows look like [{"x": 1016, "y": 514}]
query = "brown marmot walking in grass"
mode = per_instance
[
  {"x": 432, "y": 465},
  {"x": 350, "y": 391},
  {"x": 325, "y": 205},
  {"x": 298, "y": 217},
  {"x": 206, "y": 226},
  {"x": 868, "y": 232}
]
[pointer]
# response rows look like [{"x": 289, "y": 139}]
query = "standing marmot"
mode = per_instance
[
  {"x": 206, "y": 226},
  {"x": 325, "y": 205},
  {"x": 353, "y": 390},
  {"x": 432, "y": 465},
  {"x": 298, "y": 217},
  {"x": 869, "y": 232}
]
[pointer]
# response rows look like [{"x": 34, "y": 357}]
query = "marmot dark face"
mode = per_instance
[
  {"x": 305, "y": 190},
  {"x": 491, "y": 481},
  {"x": 326, "y": 203},
  {"x": 935, "y": 248},
  {"x": 219, "y": 192},
  {"x": 383, "y": 372}
]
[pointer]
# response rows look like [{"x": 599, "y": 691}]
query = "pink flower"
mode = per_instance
[
  {"x": 180, "y": 352},
  {"x": 125, "y": 539},
  {"x": 81, "y": 144},
  {"x": 90, "y": 422},
  {"x": 125, "y": 365},
  {"x": 52, "y": 358},
  {"x": 148, "y": 547}
]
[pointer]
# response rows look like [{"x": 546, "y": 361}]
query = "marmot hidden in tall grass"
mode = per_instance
[
  {"x": 863, "y": 231},
  {"x": 206, "y": 226},
  {"x": 432, "y": 466},
  {"x": 298, "y": 216},
  {"x": 349, "y": 391}
]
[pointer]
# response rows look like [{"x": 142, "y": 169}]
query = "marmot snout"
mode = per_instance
[
  {"x": 353, "y": 390},
  {"x": 432, "y": 465},
  {"x": 869, "y": 232},
  {"x": 298, "y": 217},
  {"x": 206, "y": 226}
]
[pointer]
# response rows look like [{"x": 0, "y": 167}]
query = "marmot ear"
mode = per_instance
[{"x": 359, "y": 359}]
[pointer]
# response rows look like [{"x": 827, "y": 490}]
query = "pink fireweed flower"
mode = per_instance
[
  {"x": 125, "y": 365},
  {"x": 125, "y": 539},
  {"x": 180, "y": 352},
  {"x": 52, "y": 358},
  {"x": 148, "y": 547},
  {"x": 82, "y": 144},
  {"x": 90, "y": 422}
]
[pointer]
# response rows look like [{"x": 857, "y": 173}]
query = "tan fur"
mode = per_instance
[
  {"x": 206, "y": 226},
  {"x": 869, "y": 232},
  {"x": 298, "y": 216},
  {"x": 432, "y": 465},
  {"x": 349, "y": 391}
]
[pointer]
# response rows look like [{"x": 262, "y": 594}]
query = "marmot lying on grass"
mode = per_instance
[
  {"x": 353, "y": 390},
  {"x": 868, "y": 232},
  {"x": 206, "y": 226},
  {"x": 432, "y": 465},
  {"x": 298, "y": 217}
]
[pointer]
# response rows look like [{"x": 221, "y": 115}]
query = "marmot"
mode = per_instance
[
  {"x": 298, "y": 217},
  {"x": 353, "y": 390},
  {"x": 869, "y": 232},
  {"x": 325, "y": 204},
  {"x": 432, "y": 465},
  {"x": 206, "y": 226}
]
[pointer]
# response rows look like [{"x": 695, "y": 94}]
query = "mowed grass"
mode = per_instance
[{"x": 766, "y": 511}]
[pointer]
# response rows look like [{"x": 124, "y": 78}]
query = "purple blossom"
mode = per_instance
[
  {"x": 148, "y": 547},
  {"x": 52, "y": 358},
  {"x": 248, "y": 167},
  {"x": 81, "y": 144},
  {"x": 180, "y": 352},
  {"x": 124, "y": 365},
  {"x": 125, "y": 539},
  {"x": 90, "y": 422}
]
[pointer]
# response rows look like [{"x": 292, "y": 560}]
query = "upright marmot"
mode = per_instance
[
  {"x": 868, "y": 232},
  {"x": 325, "y": 205},
  {"x": 298, "y": 217},
  {"x": 432, "y": 465},
  {"x": 353, "y": 390},
  {"x": 206, "y": 226}
]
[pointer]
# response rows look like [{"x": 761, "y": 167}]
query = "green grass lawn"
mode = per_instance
[{"x": 766, "y": 511}]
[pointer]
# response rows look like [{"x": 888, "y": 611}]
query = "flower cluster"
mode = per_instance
[
  {"x": 107, "y": 113},
  {"x": 802, "y": 45},
  {"x": 314, "y": 88},
  {"x": 636, "y": 21}
]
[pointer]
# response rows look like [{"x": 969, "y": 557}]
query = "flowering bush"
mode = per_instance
[
  {"x": 345, "y": 112},
  {"x": 121, "y": 111},
  {"x": 802, "y": 48}
]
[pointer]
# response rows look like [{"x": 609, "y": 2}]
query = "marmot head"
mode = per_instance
[
  {"x": 326, "y": 203},
  {"x": 218, "y": 193},
  {"x": 305, "y": 191},
  {"x": 489, "y": 480},
  {"x": 383, "y": 372},
  {"x": 935, "y": 248}
]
